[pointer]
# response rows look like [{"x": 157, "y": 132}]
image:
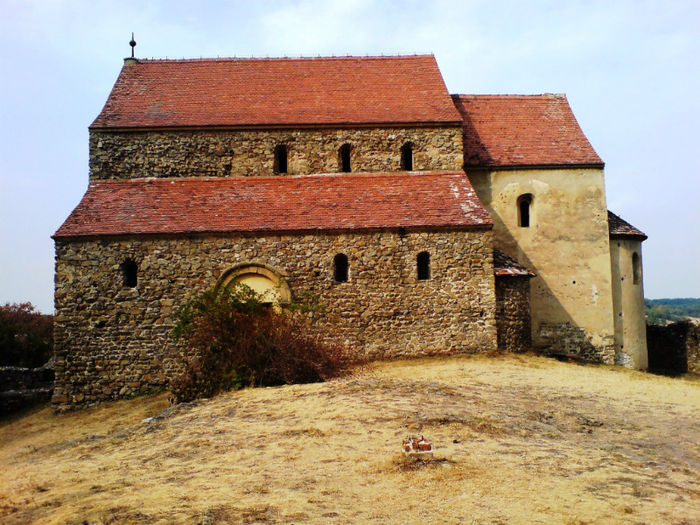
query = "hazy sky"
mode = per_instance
[{"x": 629, "y": 68}]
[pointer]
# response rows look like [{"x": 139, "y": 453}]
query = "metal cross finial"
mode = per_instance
[{"x": 132, "y": 44}]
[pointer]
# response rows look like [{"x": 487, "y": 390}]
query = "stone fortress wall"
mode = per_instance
[{"x": 114, "y": 341}]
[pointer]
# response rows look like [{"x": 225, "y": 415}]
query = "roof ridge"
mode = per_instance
[
  {"x": 300, "y": 57},
  {"x": 509, "y": 95}
]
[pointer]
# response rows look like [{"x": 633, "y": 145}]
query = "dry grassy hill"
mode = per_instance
[{"x": 518, "y": 440}]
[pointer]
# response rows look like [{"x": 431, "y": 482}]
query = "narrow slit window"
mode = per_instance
[
  {"x": 407, "y": 157},
  {"x": 340, "y": 268},
  {"x": 636, "y": 269},
  {"x": 130, "y": 272},
  {"x": 423, "y": 266},
  {"x": 281, "y": 159},
  {"x": 344, "y": 154},
  {"x": 524, "y": 209}
]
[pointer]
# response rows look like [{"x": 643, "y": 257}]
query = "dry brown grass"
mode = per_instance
[{"x": 517, "y": 440}]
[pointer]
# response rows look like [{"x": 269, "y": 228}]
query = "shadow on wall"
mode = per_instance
[
  {"x": 562, "y": 336},
  {"x": 674, "y": 349}
]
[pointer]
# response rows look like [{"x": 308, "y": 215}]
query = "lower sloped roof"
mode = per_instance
[
  {"x": 618, "y": 227},
  {"x": 275, "y": 204},
  {"x": 505, "y": 266}
]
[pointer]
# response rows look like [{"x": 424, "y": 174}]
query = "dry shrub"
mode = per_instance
[
  {"x": 413, "y": 462},
  {"x": 234, "y": 340}
]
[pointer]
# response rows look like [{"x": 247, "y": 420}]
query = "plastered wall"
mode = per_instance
[
  {"x": 628, "y": 304},
  {"x": 566, "y": 245}
]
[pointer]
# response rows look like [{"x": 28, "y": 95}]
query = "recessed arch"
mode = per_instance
[
  {"x": 636, "y": 269},
  {"x": 423, "y": 266},
  {"x": 407, "y": 156},
  {"x": 344, "y": 158},
  {"x": 280, "y": 164},
  {"x": 524, "y": 204},
  {"x": 263, "y": 279},
  {"x": 130, "y": 271},
  {"x": 341, "y": 266}
]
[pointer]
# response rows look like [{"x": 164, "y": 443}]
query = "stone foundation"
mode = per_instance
[
  {"x": 196, "y": 153},
  {"x": 114, "y": 341},
  {"x": 566, "y": 339}
]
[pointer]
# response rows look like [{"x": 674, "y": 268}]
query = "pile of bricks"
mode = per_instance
[{"x": 417, "y": 445}]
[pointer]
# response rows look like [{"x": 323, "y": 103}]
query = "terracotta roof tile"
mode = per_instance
[
  {"x": 273, "y": 204},
  {"x": 277, "y": 92},
  {"x": 522, "y": 130},
  {"x": 620, "y": 228},
  {"x": 504, "y": 266}
]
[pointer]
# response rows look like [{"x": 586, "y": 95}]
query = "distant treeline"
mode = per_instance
[
  {"x": 661, "y": 311},
  {"x": 26, "y": 336}
]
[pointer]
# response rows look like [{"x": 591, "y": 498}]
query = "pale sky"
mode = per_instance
[{"x": 630, "y": 70}]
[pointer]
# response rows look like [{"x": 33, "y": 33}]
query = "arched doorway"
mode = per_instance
[{"x": 262, "y": 279}]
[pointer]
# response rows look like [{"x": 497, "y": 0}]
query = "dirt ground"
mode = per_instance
[{"x": 518, "y": 439}]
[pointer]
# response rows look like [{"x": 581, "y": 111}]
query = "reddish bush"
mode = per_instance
[
  {"x": 233, "y": 340},
  {"x": 26, "y": 336}
]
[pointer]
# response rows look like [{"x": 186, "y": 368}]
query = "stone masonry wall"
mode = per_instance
[
  {"x": 513, "y": 314},
  {"x": 114, "y": 341},
  {"x": 23, "y": 387},
  {"x": 196, "y": 153},
  {"x": 674, "y": 349}
]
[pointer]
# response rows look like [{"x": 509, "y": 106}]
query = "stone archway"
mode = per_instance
[{"x": 262, "y": 279}]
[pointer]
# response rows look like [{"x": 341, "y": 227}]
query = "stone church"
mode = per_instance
[{"x": 424, "y": 222}]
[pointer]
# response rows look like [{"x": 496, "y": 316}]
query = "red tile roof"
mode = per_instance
[
  {"x": 621, "y": 228},
  {"x": 504, "y": 266},
  {"x": 278, "y": 92},
  {"x": 522, "y": 130},
  {"x": 273, "y": 204}
]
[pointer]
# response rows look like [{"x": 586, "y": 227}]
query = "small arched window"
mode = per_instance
[
  {"x": 340, "y": 268},
  {"x": 280, "y": 159},
  {"x": 130, "y": 272},
  {"x": 407, "y": 157},
  {"x": 344, "y": 158},
  {"x": 524, "y": 208},
  {"x": 423, "y": 266},
  {"x": 636, "y": 269}
]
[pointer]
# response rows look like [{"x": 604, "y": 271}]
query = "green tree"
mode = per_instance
[{"x": 26, "y": 336}]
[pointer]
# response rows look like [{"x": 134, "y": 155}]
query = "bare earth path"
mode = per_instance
[{"x": 518, "y": 440}]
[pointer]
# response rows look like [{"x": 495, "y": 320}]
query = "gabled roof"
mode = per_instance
[
  {"x": 504, "y": 266},
  {"x": 621, "y": 228},
  {"x": 522, "y": 130},
  {"x": 276, "y": 204},
  {"x": 273, "y": 92}
]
